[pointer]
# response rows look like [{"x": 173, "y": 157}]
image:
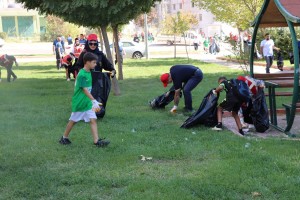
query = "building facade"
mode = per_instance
[
  {"x": 207, "y": 25},
  {"x": 18, "y": 22}
]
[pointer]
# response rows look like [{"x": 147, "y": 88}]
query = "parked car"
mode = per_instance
[
  {"x": 1, "y": 42},
  {"x": 133, "y": 49}
]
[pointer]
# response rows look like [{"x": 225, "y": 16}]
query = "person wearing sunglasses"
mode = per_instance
[{"x": 103, "y": 63}]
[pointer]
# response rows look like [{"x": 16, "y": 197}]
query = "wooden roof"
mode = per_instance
[{"x": 274, "y": 13}]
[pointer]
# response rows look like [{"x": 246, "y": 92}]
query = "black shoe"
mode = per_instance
[
  {"x": 64, "y": 141},
  {"x": 188, "y": 110},
  {"x": 241, "y": 132},
  {"x": 218, "y": 127},
  {"x": 102, "y": 143}
]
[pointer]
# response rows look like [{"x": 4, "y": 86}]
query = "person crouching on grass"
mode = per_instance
[
  {"x": 231, "y": 103},
  {"x": 83, "y": 103}
]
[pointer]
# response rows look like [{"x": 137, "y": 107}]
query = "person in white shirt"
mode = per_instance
[{"x": 266, "y": 49}]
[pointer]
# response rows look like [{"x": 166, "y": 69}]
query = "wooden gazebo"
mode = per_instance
[{"x": 280, "y": 13}]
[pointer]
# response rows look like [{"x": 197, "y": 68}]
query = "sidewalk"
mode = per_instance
[{"x": 229, "y": 122}]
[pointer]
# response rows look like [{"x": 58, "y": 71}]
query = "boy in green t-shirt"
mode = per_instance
[{"x": 84, "y": 105}]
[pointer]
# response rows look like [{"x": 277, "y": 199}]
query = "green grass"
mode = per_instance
[{"x": 187, "y": 164}]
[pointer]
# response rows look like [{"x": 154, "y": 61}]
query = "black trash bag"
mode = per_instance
[
  {"x": 291, "y": 58},
  {"x": 259, "y": 112},
  {"x": 161, "y": 101},
  {"x": 101, "y": 85},
  {"x": 280, "y": 62},
  {"x": 247, "y": 113},
  {"x": 206, "y": 114}
]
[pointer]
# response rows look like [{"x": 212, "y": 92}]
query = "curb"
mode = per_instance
[{"x": 280, "y": 111}]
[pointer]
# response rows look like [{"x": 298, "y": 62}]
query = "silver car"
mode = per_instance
[{"x": 133, "y": 49}]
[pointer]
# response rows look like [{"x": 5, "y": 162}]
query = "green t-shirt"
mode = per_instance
[
  {"x": 81, "y": 102},
  {"x": 205, "y": 43}
]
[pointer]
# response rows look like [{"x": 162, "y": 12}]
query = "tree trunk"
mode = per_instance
[
  {"x": 115, "y": 83},
  {"x": 187, "y": 53},
  {"x": 174, "y": 46},
  {"x": 118, "y": 53},
  {"x": 101, "y": 38}
]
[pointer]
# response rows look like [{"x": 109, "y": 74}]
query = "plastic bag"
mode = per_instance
[
  {"x": 259, "y": 112},
  {"x": 206, "y": 114},
  {"x": 101, "y": 85}
]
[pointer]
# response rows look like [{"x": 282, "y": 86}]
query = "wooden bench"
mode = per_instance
[
  {"x": 274, "y": 76},
  {"x": 288, "y": 108},
  {"x": 283, "y": 94}
]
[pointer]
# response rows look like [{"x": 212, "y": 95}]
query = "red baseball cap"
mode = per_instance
[
  {"x": 165, "y": 79},
  {"x": 92, "y": 37}
]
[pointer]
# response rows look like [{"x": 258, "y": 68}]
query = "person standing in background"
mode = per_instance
[{"x": 266, "y": 49}]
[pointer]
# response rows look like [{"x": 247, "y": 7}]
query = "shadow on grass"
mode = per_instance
[
  {"x": 35, "y": 67},
  {"x": 159, "y": 62}
]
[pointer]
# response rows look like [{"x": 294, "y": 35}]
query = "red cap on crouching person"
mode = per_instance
[
  {"x": 92, "y": 37},
  {"x": 165, "y": 79}
]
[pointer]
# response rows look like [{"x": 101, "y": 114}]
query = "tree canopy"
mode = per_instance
[
  {"x": 93, "y": 13},
  {"x": 179, "y": 23},
  {"x": 239, "y": 13}
]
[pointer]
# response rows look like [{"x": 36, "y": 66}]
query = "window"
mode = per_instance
[
  {"x": 180, "y": 6},
  {"x": 200, "y": 17},
  {"x": 174, "y": 6},
  {"x": 193, "y": 4},
  {"x": 127, "y": 44},
  {"x": 169, "y": 9}
]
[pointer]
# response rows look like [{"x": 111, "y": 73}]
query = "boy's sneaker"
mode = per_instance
[
  {"x": 68, "y": 79},
  {"x": 218, "y": 127},
  {"x": 102, "y": 143},
  {"x": 64, "y": 141},
  {"x": 15, "y": 78},
  {"x": 241, "y": 132}
]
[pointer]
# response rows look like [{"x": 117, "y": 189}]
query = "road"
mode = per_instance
[{"x": 45, "y": 49}]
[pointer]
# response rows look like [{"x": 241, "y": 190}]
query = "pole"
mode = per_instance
[{"x": 146, "y": 37}]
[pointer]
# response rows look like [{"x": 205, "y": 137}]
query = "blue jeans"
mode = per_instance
[
  {"x": 269, "y": 61},
  {"x": 10, "y": 73},
  {"x": 189, "y": 86}
]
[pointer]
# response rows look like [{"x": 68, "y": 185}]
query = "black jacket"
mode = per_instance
[{"x": 102, "y": 62}]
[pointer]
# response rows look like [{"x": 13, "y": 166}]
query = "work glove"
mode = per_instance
[
  {"x": 112, "y": 73},
  {"x": 174, "y": 109},
  {"x": 214, "y": 92},
  {"x": 96, "y": 105}
]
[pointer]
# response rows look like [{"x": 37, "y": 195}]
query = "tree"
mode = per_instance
[
  {"x": 178, "y": 24},
  {"x": 239, "y": 13},
  {"x": 151, "y": 16},
  {"x": 57, "y": 26},
  {"x": 130, "y": 12},
  {"x": 93, "y": 13}
]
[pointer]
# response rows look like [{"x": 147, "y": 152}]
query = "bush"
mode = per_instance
[
  {"x": 3, "y": 35},
  {"x": 281, "y": 37},
  {"x": 57, "y": 26}
]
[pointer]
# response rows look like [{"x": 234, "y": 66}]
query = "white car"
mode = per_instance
[
  {"x": 133, "y": 49},
  {"x": 1, "y": 42}
]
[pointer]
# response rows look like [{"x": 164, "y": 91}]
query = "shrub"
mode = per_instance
[{"x": 3, "y": 35}]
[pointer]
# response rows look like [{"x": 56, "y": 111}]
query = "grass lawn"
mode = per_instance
[{"x": 187, "y": 164}]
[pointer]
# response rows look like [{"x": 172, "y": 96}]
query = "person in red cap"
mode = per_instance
[
  {"x": 103, "y": 63},
  {"x": 186, "y": 78},
  {"x": 67, "y": 62}
]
